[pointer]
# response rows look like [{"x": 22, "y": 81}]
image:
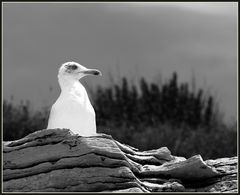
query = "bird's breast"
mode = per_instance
[{"x": 74, "y": 103}]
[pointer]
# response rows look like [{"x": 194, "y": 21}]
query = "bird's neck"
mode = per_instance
[{"x": 71, "y": 87}]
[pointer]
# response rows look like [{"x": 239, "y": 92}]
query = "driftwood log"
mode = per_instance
[{"x": 56, "y": 160}]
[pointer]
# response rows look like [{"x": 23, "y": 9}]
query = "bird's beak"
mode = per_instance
[{"x": 91, "y": 72}]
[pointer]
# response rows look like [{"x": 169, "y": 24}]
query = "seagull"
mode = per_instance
[{"x": 73, "y": 109}]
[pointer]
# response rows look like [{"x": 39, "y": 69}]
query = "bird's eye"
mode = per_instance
[{"x": 72, "y": 67}]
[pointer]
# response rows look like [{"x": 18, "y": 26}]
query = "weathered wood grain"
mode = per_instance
[{"x": 55, "y": 160}]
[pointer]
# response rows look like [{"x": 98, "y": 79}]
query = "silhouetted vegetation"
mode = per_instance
[
  {"x": 147, "y": 116},
  {"x": 170, "y": 103},
  {"x": 20, "y": 120}
]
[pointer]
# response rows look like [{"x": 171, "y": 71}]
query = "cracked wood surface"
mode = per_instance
[{"x": 57, "y": 160}]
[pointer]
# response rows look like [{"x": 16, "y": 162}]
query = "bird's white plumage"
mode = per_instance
[{"x": 73, "y": 109}]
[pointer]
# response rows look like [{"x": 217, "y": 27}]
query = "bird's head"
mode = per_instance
[{"x": 75, "y": 71}]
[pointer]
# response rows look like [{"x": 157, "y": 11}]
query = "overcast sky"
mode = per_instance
[{"x": 124, "y": 39}]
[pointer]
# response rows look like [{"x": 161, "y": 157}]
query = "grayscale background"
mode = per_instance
[{"x": 132, "y": 39}]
